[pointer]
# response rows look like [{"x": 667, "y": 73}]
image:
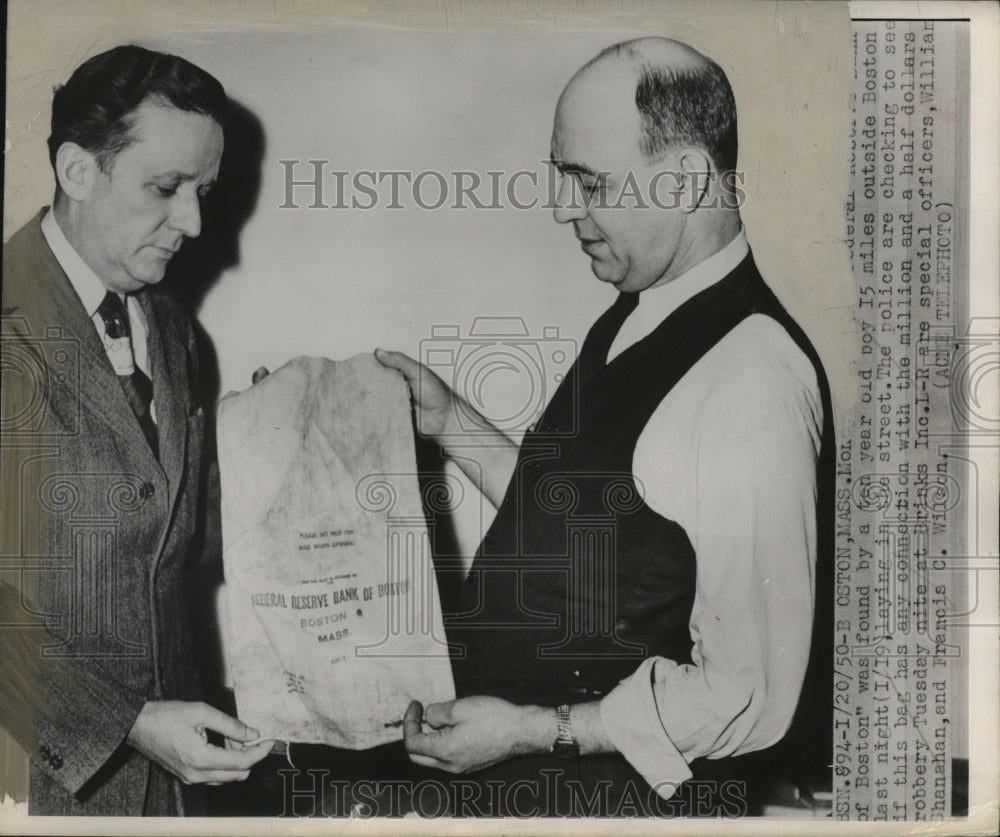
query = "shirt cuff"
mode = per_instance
[{"x": 632, "y": 723}]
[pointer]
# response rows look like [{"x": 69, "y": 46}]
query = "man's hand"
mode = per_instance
[
  {"x": 173, "y": 734},
  {"x": 485, "y": 455},
  {"x": 475, "y": 732},
  {"x": 433, "y": 400}
]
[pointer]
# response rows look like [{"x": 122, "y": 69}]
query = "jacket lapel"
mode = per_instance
[
  {"x": 56, "y": 306},
  {"x": 170, "y": 395}
]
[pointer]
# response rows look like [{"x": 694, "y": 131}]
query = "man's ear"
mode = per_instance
[
  {"x": 695, "y": 167},
  {"x": 76, "y": 170}
]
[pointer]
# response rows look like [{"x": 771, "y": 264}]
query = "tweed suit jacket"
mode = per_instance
[{"x": 95, "y": 533}]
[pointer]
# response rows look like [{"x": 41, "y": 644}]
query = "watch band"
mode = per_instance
[
  {"x": 565, "y": 746},
  {"x": 564, "y": 724}
]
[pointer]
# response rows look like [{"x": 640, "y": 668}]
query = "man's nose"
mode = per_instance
[
  {"x": 570, "y": 204},
  {"x": 185, "y": 215}
]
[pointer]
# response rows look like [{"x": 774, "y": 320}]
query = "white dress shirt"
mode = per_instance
[
  {"x": 91, "y": 291},
  {"x": 730, "y": 455}
]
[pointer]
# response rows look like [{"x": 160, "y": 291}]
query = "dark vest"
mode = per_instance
[{"x": 578, "y": 580}]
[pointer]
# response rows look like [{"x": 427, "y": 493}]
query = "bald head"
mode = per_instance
[
  {"x": 671, "y": 93},
  {"x": 665, "y": 52}
]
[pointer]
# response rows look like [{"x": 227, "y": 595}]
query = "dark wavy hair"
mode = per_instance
[{"x": 96, "y": 107}]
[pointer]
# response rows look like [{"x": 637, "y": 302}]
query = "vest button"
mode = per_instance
[{"x": 146, "y": 490}]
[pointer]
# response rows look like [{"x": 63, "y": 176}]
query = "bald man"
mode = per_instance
[{"x": 637, "y": 619}]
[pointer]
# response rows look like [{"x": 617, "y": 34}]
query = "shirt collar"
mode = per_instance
[
  {"x": 656, "y": 304},
  {"x": 85, "y": 282},
  {"x": 659, "y": 302}
]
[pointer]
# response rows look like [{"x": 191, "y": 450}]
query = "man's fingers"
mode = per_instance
[
  {"x": 218, "y": 777},
  {"x": 416, "y": 742},
  {"x": 225, "y": 724},
  {"x": 230, "y": 744},
  {"x": 255, "y": 752},
  {"x": 219, "y": 758},
  {"x": 439, "y": 715},
  {"x": 427, "y": 761},
  {"x": 260, "y": 374},
  {"x": 400, "y": 362},
  {"x": 411, "y": 720}
]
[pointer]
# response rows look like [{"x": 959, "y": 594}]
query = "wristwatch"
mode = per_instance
[{"x": 565, "y": 746}]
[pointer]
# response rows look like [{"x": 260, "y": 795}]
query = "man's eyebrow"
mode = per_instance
[
  {"x": 574, "y": 168},
  {"x": 182, "y": 177},
  {"x": 179, "y": 176}
]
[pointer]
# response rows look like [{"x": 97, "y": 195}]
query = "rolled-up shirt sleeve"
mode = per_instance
[{"x": 736, "y": 468}]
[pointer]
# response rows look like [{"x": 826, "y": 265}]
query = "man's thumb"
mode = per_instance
[
  {"x": 228, "y": 726},
  {"x": 398, "y": 361}
]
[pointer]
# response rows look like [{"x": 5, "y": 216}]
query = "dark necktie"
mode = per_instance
[
  {"x": 625, "y": 305},
  {"x": 136, "y": 384},
  {"x": 594, "y": 352}
]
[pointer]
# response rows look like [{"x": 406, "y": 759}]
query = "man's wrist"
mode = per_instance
[
  {"x": 539, "y": 729},
  {"x": 462, "y": 421},
  {"x": 135, "y": 731}
]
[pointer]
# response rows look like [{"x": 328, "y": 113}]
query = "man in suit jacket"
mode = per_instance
[
  {"x": 102, "y": 445},
  {"x": 639, "y": 613}
]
